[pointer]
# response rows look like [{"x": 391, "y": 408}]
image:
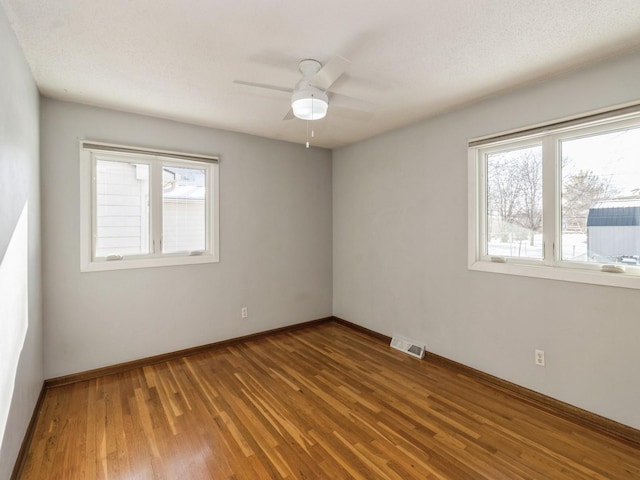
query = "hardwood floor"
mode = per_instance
[{"x": 325, "y": 402}]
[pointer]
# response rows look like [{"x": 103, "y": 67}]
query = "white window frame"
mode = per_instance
[
  {"x": 155, "y": 159},
  {"x": 551, "y": 266}
]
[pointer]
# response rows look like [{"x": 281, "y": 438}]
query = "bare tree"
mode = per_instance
[
  {"x": 514, "y": 193},
  {"x": 579, "y": 192},
  {"x": 515, "y": 189},
  {"x": 504, "y": 185},
  {"x": 530, "y": 172}
]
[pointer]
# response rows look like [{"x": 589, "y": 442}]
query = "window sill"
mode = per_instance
[
  {"x": 146, "y": 263},
  {"x": 564, "y": 274}
]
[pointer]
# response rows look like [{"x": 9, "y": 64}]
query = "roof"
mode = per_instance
[
  {"x": 184, "y": 183},
  {"x": 614, "y": 213}
]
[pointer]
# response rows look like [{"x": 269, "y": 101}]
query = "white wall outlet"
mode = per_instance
[
  {"x": 244, "y": 312},
  {"x": 540, "y": 358}
]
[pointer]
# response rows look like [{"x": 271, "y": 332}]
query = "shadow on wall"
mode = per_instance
[{"x": 14, "y": 312}]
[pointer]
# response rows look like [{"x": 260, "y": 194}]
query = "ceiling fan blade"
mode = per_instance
[
  {"x": 351, "y": 114},
  {"x": 329, "y": 73},
  {"x": 264, "y": 85},
  {"x": 350, "y": 103},
  {"x": 289, "y": 115}
]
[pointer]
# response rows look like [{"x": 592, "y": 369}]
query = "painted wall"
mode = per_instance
[
  {"x": 21, "y": 370},
  {"x": 275, "y": 237},
  {"x": 400, "y": 255}
]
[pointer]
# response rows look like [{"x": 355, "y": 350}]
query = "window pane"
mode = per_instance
[
  {"x": 122, "y": 208},
  {"x": 601, "y": 198},
  {"x": 183, "y": 209},
  {"x": 514, "y": 203}
]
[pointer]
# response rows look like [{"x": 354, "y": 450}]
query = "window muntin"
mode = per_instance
[
  {"x": 144, "y": 208},
  {"x": 584, "y": 167}
]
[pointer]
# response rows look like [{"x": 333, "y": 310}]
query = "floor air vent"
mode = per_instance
[{"x": 405, "y": 345}]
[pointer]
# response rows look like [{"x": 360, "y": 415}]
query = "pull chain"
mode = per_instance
[{"x": 312, "y": 132}]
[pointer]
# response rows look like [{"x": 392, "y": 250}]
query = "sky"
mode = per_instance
[{"x": 616, "y": 155}]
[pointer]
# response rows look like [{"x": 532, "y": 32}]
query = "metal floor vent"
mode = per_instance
[{"x": 410, "y": 347}]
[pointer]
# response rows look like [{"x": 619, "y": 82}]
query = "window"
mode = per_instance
[
  {"x": 560, "y": 201},
  {"x": 146, "y": 208}
]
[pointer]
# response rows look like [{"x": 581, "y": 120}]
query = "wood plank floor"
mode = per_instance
[{"x": 321, "y": 403}]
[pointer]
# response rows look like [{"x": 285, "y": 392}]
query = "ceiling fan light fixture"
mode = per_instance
[{"x": 310, "y": 104}]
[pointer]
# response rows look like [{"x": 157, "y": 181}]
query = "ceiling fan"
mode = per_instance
[{"x": 311, "y": 96}]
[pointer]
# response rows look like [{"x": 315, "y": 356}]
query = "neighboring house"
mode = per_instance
[
  {"x": 122, "y": 215},
  {"x": 184, "y": 210},
  {"x": 613, "y": 231}
]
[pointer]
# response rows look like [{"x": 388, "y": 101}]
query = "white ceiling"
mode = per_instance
[{"x": 178, "y": 59}]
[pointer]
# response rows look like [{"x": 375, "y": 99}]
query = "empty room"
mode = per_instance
[{"x": 338, "y": 240}]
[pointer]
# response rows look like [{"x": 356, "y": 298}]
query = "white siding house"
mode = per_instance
[{"x": 122, "y": 212}]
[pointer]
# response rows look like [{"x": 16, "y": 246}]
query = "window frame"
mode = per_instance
[
  {"x": 156, "y": 159},
  {"x": 551, "y": 266}
]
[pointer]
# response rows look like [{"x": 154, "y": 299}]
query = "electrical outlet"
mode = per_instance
[
  {"x": 540, "y": 358},
  {"x": 244, "y": 312}
]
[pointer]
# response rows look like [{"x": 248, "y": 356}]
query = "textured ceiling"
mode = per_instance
[{"x": 411, "y": 59}]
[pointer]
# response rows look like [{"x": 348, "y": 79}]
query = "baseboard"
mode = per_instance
[
  {"x": 361, "y": 329},
  {"x": 577, "y": 415},
  {"x": 28, "y": 436},
  {"x": 165, "y": 357}
]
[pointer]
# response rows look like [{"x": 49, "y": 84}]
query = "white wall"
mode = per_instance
[
  {"x": 275, "y": 237},
  {"x": 21, "y": 368},
  {"x": 400, "y": 255}
]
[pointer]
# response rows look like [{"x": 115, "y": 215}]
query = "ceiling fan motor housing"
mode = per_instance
[{"x": 309, "y": 102}]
